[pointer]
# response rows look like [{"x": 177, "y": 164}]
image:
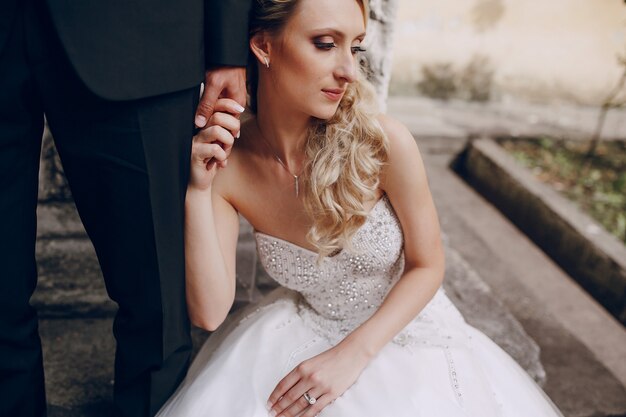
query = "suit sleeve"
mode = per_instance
[{"x": 226, "y": 32}]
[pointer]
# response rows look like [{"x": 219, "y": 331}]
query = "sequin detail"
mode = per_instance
[{"x": 346, "y": 289}]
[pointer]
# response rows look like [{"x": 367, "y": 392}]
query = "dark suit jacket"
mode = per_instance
[{"x": 129, "y": 49}]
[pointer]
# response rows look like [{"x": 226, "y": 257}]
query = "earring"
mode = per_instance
[{"x": 267, "y": 62}]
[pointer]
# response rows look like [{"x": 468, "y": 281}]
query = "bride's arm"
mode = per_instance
[
  {"x": 330, "y": 374},
  {"x": 211, "y": 224},
  {"x": 406, "y": 184},
  {"x": 210, "y": 248}
]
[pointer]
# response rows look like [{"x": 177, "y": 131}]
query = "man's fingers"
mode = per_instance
[
  {"x": 206, "y": 106},
  {"x": 234, "y": 86},
  {"x": 227, "y": 82}
]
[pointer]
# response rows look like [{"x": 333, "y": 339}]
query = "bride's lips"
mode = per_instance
[{"x": 334, "y": 94}]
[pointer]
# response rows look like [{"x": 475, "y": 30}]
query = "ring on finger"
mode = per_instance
[{"x": 309, "y": 398}]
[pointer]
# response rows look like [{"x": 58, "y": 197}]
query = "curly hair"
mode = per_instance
[{"x": 344, "y": 155}]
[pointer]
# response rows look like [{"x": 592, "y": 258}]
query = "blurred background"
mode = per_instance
[
  {"x": 517, "y": 107},
  {"x": 536, "y": 50}
]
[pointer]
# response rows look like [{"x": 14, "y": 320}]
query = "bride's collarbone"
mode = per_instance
[{"x": 288, "y": 223}]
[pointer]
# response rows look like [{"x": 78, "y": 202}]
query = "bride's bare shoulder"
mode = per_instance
[
  {"x": 397, "y": 133},
  {"x": 401, "y": 141},
  {"x": 403, "y": 153}
]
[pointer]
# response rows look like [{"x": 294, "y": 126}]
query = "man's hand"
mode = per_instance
[{"x": 220, "y": 82}]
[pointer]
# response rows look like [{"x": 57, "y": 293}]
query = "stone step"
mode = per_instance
[
  {"x": 78, "y": 360},
  {"x": 70, "y": 283},
  {"x": 582, "y": 345}
]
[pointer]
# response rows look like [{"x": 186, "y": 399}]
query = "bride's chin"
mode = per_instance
[{"x": 325, "y": 114}]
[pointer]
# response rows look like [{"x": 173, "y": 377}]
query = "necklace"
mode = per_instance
[{"x": 280, "y": 161}]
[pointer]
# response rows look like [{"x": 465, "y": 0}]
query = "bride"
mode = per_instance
[{"x": 345, "y": 222}]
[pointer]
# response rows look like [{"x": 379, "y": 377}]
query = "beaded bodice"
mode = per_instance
[{"x": 346, "y": 288}]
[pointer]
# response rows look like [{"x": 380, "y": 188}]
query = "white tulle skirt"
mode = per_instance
[{"x": 240, "y": 365}]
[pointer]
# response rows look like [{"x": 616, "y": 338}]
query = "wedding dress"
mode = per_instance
[{"x": 437, "y": 366}]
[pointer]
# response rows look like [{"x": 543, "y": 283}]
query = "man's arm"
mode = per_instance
[
  {"x": 226, "y": 32},
  {"x": 226, "y": 54}
]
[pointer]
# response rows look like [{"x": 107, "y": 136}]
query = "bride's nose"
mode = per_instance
[{"x": 346, "y": 67}]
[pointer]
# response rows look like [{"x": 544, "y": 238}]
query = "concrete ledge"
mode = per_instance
[{"x": 592, "y": 256}]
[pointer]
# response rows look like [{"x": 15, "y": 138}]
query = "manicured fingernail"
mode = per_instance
[
  {"x": 200, "y": 121},
  {"x": 268, "y": 405},
  {"x": 273, "y": 413},
  {"x": 238, "y": 134},
  {"x": 239, "y": 108}
]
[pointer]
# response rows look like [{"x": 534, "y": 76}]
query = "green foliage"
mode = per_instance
[{"x": 597, "y": 186}]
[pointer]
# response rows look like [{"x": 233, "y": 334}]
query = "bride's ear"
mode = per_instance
[{"x": 261, "y": 47}]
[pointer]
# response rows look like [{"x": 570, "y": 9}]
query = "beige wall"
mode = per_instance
[{"x": 540, "y": 49}]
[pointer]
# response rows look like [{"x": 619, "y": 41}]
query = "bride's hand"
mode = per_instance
[
  {"x": 324, "y": 377},
  {"x": 211, "y": 146}
]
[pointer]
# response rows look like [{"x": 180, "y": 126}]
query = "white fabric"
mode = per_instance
[{"x": 438, "y": 366}]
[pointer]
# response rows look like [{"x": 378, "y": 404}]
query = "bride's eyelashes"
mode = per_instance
[
  {"x": 325, "y": 45},
  {"x": 329, "y": 45}
]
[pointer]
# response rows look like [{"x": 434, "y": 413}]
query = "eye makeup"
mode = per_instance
[
  {"x": 330, "y": 45},
  {"x": 325, "y": 45}
]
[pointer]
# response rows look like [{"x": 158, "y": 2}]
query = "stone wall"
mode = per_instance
[{"x": 379, "y": 42}]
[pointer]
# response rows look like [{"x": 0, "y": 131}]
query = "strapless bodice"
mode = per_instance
[{"x": 346, "y": 288}]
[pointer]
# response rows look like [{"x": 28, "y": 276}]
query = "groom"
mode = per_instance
[{"x": 118, "y": 81}]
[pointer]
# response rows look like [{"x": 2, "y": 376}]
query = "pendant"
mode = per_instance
[{"x": 297, "y": 186}]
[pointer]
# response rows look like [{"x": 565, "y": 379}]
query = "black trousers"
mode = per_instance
[{"x": 127, "y": 165}]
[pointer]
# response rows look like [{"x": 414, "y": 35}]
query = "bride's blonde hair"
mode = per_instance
[{"x": 344, "y": 155}]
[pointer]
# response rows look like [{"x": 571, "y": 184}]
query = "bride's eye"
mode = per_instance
[
  {"x": 324, "y": 45},
  {"x": 357, "y": 49}
]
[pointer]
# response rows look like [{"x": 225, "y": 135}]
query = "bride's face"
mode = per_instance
[{"x": 314, "y": 58}]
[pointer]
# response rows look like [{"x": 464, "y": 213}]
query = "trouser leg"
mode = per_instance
[
  {"x": 128, "y": 179},
  {"x": 127, "y": 165},
  {"x": 21, "y": 125}
]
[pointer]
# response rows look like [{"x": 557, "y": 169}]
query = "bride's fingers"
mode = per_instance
[
  {"x": 229, "y": 106},
  {"x": 227, "y": 121},
  {"x": 214, "y": 134},
  {"x": 292, "y": 402},
  {"x": 319, "y": 405},
  {"x": 301, "y": 404},
  {"x": 207, "y": 151},
  {"x": 283, "y": 386}
]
